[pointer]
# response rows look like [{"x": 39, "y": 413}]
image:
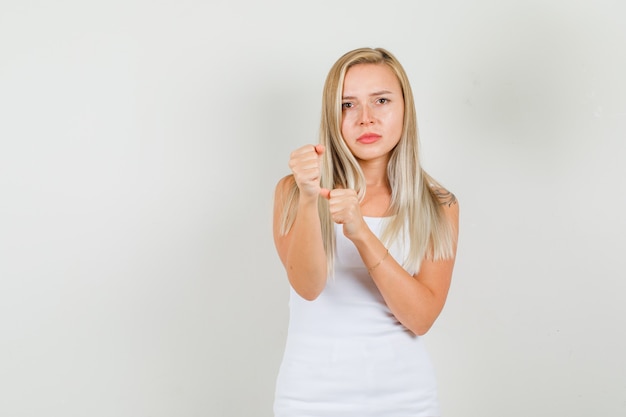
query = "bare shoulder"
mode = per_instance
[
  {"x": 284, "y": 186},
  {"x": 445, "y": 197},
  {"x": 286, "y": 181},
  {"x": 448, "y": 203},
  {"x": 286, "y": 191}
]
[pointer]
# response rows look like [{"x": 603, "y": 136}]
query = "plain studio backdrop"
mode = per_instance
[{"x": 140, "y": 145}]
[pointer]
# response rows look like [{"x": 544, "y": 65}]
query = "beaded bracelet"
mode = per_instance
[{"x": 371, "y": 268}]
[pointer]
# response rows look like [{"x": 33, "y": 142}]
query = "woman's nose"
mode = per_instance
[{"x": 366, "y": 116}]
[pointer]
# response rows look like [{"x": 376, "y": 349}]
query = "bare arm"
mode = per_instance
[
  {"x": 416, "y": 301},
  {"x": 301, "y": 250}
]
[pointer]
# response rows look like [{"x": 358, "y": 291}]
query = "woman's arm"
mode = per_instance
[
  {"x": 416, "y": 300},
  {"x": 301, "y": 250}
]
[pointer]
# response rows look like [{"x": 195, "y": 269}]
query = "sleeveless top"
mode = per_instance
[{"x": 347, "y": 355}]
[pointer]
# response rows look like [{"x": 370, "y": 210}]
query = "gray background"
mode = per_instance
[{"x": 140, "y": 145}]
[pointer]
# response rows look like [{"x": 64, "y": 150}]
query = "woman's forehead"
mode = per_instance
[{"x": 370, "y": 78}]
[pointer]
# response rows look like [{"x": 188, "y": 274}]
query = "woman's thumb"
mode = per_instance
[{"x": 325, "y": 193}]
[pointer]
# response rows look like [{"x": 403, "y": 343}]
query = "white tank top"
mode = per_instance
[{"x": 347, "y": 354}]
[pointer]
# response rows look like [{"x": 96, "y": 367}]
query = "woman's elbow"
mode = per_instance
[
  {"x": 419, "y": 328},
  {"x": 308, "y": 290},
  {"x": 422, "y": 331},
  {"x": 308, "y": 295}
]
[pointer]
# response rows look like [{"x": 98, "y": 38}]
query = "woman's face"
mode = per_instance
[{"x": 372, "y": 111}]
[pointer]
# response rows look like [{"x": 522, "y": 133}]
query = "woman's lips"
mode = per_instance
[{"x": 368, "y": 138}]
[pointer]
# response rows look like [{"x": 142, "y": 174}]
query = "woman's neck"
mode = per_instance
[
  {"x": 375, "y": 173},
  {"x": 377, "y": 197}
]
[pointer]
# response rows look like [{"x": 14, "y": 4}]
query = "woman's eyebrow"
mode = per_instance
[
  {"x": 381, "y": 93},
  {"x": 377, "y": 93}
]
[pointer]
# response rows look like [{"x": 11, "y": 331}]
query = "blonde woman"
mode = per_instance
[{"x": 368, "y": 242}]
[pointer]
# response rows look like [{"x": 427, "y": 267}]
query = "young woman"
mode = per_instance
[{"x": 368, "y": 242}]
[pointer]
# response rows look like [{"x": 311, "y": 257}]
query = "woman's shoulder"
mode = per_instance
[
  {"x": 447, "y": 201},
  {"x": 443, "y": 196},
  {"x": 285, "y": 184}
]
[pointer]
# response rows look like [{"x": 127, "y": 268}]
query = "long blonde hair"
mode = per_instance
[{"x": 415, "y": 206}]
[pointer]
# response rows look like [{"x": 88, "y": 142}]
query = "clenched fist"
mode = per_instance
[
  {"x": 306, "y": 165},
  {"x": 345, "y": 210}
]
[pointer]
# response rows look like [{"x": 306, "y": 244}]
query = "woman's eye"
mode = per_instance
[
  {"x": 382, "y": 100},
  {"x": 346, "y": 105}
]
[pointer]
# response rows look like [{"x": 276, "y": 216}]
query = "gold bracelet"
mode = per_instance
[{"x": 370, "y": 269}]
